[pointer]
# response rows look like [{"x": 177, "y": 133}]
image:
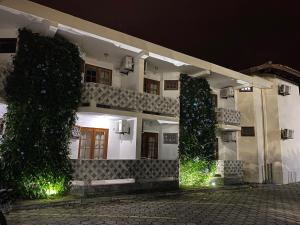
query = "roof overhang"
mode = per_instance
[
  {"x": 59, "y": 19},
  {"x": 279, "y": 70}
]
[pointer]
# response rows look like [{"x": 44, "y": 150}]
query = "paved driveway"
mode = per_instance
[{"x": 263, "y": 205}]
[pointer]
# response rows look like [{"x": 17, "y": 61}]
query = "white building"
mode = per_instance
[
  {"x": 272, "y": 152},
  {"x": 130, "y": 106}
]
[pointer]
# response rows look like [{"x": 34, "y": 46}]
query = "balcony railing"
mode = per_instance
[
  {"x": 228, "y": 116},
  {"x": 119, "y": 98}
]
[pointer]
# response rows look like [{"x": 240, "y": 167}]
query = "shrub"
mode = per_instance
[{"x": 194, "y": 173}]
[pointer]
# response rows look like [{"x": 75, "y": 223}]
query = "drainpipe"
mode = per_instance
[{"x": 265, "y": 138}]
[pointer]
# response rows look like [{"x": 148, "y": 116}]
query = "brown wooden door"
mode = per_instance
[
  {"x": 93, "y": 143},
  {"x": 149, "y": 145},
  {"x": 151, "y": 86}
]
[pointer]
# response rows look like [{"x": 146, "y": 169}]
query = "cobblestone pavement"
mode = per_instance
[{"x": 262, "y": 205}]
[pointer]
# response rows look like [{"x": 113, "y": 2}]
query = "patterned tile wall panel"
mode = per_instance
[
  {"x": 228, "y": 116},
  {"x": 229, "y": 168},
  {"x": 129, "y": 99},
  {"x": 88, "y": 170}
]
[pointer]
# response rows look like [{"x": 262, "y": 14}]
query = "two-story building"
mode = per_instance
[{"x": 127, "y": 129}]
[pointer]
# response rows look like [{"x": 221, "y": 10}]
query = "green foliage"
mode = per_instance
[
  {"x": 43, "y": 92},
  {"x": 194, "y": 173},
  {"x": 43, "y": 186},
  {"x": 197, "y": 120}
]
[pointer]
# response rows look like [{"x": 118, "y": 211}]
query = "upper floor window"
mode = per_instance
[
  {"x": 151, "y": 86},
  {"x": 8, "y": 45},
  {"x": 171, "y": 85},
  {"x": 247, "y": 131},
  {"x": 97, "y": 75}
]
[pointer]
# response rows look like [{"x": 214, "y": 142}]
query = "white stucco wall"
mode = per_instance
[
  {"x": 161, "y": 77},
  {"x": 116, "y": 76},
  {"x": 168, "y": 151},
  {"x": 165, "y": 151},
  {"x": 289, "y": 112},
  {"x": 128, "y": 142},
  {"x": 170, "y": 76},
  {"x": 259, "y": 132},
  {"x": 227, "y": 150},
  {"x": 251, "y": 148},
  {"x": 119, "y": 146}
]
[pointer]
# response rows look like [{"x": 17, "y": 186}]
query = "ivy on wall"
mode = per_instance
[
  {"x": 43, "y": 92},
  {"x": 197, "y": 120}
]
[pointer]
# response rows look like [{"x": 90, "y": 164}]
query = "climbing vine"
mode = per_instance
[
  {"x": 197, "y": 130},
  {"x": 42, "y": 92}
]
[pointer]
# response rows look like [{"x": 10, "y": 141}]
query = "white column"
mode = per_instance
[
  {"x": 139, "y": 74},
  {"x": 139, "y": 77},
  {"x": 139, "y": 130},
  {"x": 161, "y": 84}
]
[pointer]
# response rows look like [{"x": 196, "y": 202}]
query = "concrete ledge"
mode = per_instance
[
  {"x": 93, "y": 190},
  {"x": 233, "y": 180}
]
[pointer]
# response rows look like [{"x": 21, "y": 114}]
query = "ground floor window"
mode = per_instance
[
  {"x": 149, "y": 145},
  {"x": 93, "y": 143}
]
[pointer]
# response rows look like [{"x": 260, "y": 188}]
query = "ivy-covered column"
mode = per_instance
[
  {"x": 43, "y": 92},
  {"x": 197, "y": 130}
]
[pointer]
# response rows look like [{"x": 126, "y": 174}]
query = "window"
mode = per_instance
[
  {"x": 91, "y": 74},
  {"x": 97, "y": 75},
  {"x": 151, "y": 86},
  {"x": 93, "y": 143},
  {"x": 105, "y": 76},
  {"x": 248, "y": 131},
  {"x": 170, "y": 138},
  {"x": 8, "y": 45},
  {"x": 149, "y": 145},
  {"x": 214, "y": 99},
  {"x": 171, "y": 85},
  {"x": 246, "y": 89}
]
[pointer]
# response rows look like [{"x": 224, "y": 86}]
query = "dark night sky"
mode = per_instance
[{"x": 233, "y": 33}]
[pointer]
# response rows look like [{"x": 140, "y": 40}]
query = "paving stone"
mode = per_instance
[{"x": 269, "y": 204}]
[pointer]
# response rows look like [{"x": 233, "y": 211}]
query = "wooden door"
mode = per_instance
[
  {"x": 93, "y": 143},
  {"x": 100, "y": 144},
  {"x": 149, "y": 145},
  {"x": 151, "y": 86}
]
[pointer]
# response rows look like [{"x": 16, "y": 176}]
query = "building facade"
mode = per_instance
[
  {"x": 271, "y": 152},
  {"x": 128, "y": 121}
]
